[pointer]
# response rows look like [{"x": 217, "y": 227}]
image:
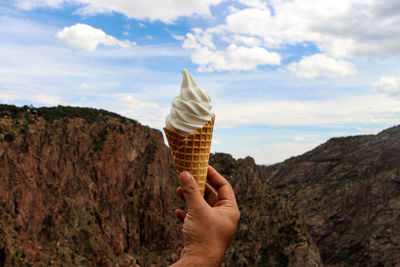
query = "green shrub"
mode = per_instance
[{"x": 9, "y": 137}]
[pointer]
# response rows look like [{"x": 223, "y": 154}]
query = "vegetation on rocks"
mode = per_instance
[
  {"x": 269, "y": 233},
  {"x": 85, "y": 187},
  {"x": 347, "y": 190},
  {"x": 81, "y": 187}
]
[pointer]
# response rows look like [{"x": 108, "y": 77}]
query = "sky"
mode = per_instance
[{"x": 284, "y": 76}]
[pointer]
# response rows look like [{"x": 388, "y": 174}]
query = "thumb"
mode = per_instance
[{"x": 190, "y": 190}]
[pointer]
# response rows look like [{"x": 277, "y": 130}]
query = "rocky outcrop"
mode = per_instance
[
  {"x": 347, "y": 190},
  {"x": 82, "y": 187},
  {"x": 269, "y": 232},
  {"x": 85, "y": 187}
]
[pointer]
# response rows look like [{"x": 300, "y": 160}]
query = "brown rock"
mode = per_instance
[
  {"x": 269, "y": 232},
  {"x": 91, "y": 188},
  {"x": 83, "y": 187},
  {"x": 347, "y": 190}
]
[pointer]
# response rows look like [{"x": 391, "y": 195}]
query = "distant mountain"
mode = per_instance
[
  {"x": 269, "y": 233},
  {"x": 348, "y": 193},
  {"x": 86, "y": 187}
]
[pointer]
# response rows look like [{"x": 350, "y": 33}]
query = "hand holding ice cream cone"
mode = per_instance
[
  {"x": 210, "y": 223},
  {"x": 189, "y": 129}
]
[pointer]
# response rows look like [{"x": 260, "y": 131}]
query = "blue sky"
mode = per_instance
[{"x": 284, "y": 76}]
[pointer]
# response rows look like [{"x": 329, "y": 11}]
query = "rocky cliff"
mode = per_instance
[
  {"x": 82, "y": 187},
  {"x": 85, "y": 187},
  {"x": 269, "y": 232},
  {"x": 348, "y": 192}
]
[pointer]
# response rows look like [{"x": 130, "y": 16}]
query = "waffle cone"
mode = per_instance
[{"x": 191, "y": 153}]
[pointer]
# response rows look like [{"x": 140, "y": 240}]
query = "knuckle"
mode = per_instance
[
  {"x": 229, "y": 185},
  {"x": 190, "y": 188},
  {"x": 238, "y": 215}
]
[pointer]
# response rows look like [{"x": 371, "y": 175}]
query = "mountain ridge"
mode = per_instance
[
  {"x": 80, "y": 186},
  {"x": 72, "y": 189},
  {"x": 347, "y": 190},
  {"x": 84, "y": 187}
]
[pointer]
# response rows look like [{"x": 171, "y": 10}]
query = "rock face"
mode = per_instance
[
  {"x": 84, "y": 187},
  {"x": 348, "y": 192},
  {"x": 269, "y": 232}
]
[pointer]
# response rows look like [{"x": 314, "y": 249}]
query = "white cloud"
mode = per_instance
[
  {"x": 338, "y": 29},
  {"x": 233, "y": 9},
  {"x": 43, "y": 72},
  {"x": 254, "y": 3},
  {"x": 320, "y": 65},
  {"x": 178, "y": 37},
  {"x": 248, "y": 58},
  {"x": 38, "y": 99},
  {"x": 249, "y": 21},
  {"x": 389, "y": 85},
  {"x": 351, "y": 109},
  {"x": 246, "y": 40},
  {"x": 203, "y": 38},
  {"x": 362, "y": 130},
  {"x": 233, "y": 58},
  {"x": 216, "y": 142},
  {"x": 283, "y": 151},
  {"x": 8, "y": 97},
  {"x": 47, "y": 100},
  {"x": 266, "y": 153},
  {"x": 83, "y": 36},
  {"x": 150, "y": 113},
  {"x": 166, "y": 11},
  {"x": 30, "y": 4}
]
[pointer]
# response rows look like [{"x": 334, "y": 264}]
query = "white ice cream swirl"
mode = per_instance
[{"x": 191, "y": 109}]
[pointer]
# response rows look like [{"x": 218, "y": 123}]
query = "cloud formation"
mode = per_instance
[
  {"x": 362, "y": 109},
  {"x": 148, "y": 112},
  {"x": 31, "y": 4},
  {"x": 338, "y": 28},
  {"x": 320, "y": 65},
  {"x": 341, "y": 30},
  {"x": 166, "y": 11},
  {"x": 389, "y": 85},
  {"x": 308, "y": 38},
  {"x": 261, "y": 30},
  {"x": 85, "y": 37},
  {"x": 234, "y": 57}
]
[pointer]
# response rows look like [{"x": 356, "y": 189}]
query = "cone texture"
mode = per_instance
[{"x": 191, "y": 153}]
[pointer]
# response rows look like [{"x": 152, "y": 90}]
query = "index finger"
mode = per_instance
[{"x": 223, "y": 187}]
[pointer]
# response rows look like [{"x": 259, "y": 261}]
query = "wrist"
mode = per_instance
[
  {"x": 198, "y": 261},
  {"x": 201, "y": 257}
]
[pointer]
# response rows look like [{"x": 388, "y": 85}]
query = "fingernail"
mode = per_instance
[{"x": 184, "y": 177}]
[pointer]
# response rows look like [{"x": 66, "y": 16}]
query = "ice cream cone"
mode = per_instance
[{"x": 191, "y": 153}]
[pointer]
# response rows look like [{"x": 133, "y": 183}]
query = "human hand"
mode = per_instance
[{"x": 209, "y": 223}]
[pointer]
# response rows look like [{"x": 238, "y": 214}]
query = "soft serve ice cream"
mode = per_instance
[
  {"x": 189, "y": 129},
  {"x": 191, "y": 109}
]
